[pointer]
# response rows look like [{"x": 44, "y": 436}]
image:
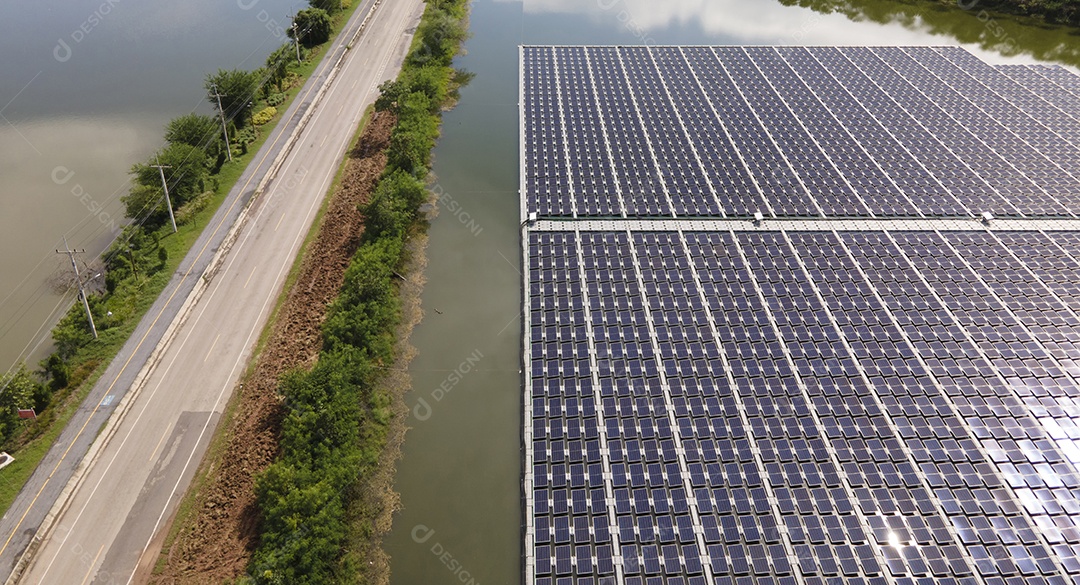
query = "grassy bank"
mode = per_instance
[
  {"x": 338, "y": 414},
  {"x": 138, "y": 268},
  {"x": 219, "y": 449}
]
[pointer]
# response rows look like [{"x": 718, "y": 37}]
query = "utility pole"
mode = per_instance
[
  {"x": 161, "y": 169},
  {"x": 221, "y": 113},
  {"x": 78, "y": 280},
  {"x": 134, "y": 267},
  {"x": 296, "y": 41}
]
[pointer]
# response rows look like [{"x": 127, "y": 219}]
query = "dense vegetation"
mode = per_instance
[
  {"x": 316, "y": 24},
  {"x": 137, "y": 266},
  {"x": 1049, "y": 11},
  {"x": 1053, "y": 11},
  {"x": 337, "y": 415}
]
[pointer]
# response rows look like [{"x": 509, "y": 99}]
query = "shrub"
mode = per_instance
[
  {"x": 277, "y": 69},
  {"x": 330, "y": 6},
  {"x": 264, "y": 116},
  {"x": 245, "y": 136},
  {"x": 440, "y": 34},
  {"x": 17, "y": 390},
  {"x": 193, "y": 207},
  {"x": 72, "y": 332}
]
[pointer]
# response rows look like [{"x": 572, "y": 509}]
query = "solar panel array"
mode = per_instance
[
  {"x": 797, "y": 399},
  {"x": 795, "y": 131}
]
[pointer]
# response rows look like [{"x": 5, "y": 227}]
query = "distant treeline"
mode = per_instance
[
  {"x": 1049, "y": 11},
  {"x": 1052, "y": 11},
  {"x": 337, "y": 418}
]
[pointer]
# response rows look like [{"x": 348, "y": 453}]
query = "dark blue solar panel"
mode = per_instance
[{"x": 803, "y": 406}]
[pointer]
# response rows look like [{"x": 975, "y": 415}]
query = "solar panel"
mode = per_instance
[{"x": 866, "y": 389}]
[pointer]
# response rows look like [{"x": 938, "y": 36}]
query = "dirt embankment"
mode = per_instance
[{"x": 218, "y": 538}]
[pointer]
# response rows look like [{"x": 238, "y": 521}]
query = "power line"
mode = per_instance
[
  {"x": 78, "y": 281},
  {"x": 221, "y": 114},
  {"x": 296, "y": 41},
  {"x": 168, "y": 202},
  {"x": 139, "y": 218}
]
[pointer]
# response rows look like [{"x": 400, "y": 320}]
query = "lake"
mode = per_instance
[
  {"x": 87, "y": 89},
  {"x": 460, "y": 473},
  {"x": 89, "y": 86}
]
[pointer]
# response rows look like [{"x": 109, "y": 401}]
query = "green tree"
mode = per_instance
[
  {"x": 414, "y": 136},
  {"x": 404, "y": 187},
  {"x": 440, "y": 35},
  {"x": 390, "y": 94},
  {"x": 385, "y": 216},
  {"x": 364, "y": 312},
  {"x": 303, "y": 528},
  {"x": 17, "y": 390},
  {"x": 57, "y": 370},
  {"x": 203, "y": 132},
  {"x": 192, "y": 129},
  {"x": 313, "y": 26},
  {"x": 330, "y": 6},
  {"x": 237, "y": 88},
  {"x": 186, "y": 173},
  {"x": 146, "y": 204}
]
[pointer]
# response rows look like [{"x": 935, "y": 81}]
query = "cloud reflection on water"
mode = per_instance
[{"x": 996, "y": 39}]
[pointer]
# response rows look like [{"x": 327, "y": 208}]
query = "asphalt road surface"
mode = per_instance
[{"x": 108, "y": 486}]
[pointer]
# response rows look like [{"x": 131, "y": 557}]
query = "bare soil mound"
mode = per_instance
[{"x": 219, "y": 537}]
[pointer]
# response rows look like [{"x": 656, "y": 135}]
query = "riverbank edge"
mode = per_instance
[
  {"x": 33, "y": 449},
  {"x": 370, "y": 509},
  {"x": 183, "y": 520},
  {"x": 367, "y": 330}
]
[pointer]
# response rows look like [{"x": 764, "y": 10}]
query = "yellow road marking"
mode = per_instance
[
  {"x": 184, "y": 278},
  {"x": 212, "y": 345},
  {"x": 160, "y": 441},
  {"x": 92, "y": 563}
]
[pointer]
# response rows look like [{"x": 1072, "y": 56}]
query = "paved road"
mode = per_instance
[{"x": 114, "y": 477}]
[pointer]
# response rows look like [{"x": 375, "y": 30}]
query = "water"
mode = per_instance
[
  {"x": 459, "y": 476},
  {"x": 75, "y": 119},
  {"x": 87, "y": 89}
]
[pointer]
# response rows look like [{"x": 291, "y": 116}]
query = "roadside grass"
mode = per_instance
[
  {"x": 31, "y": 447},
  {"x": 189, "y": 505}
]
